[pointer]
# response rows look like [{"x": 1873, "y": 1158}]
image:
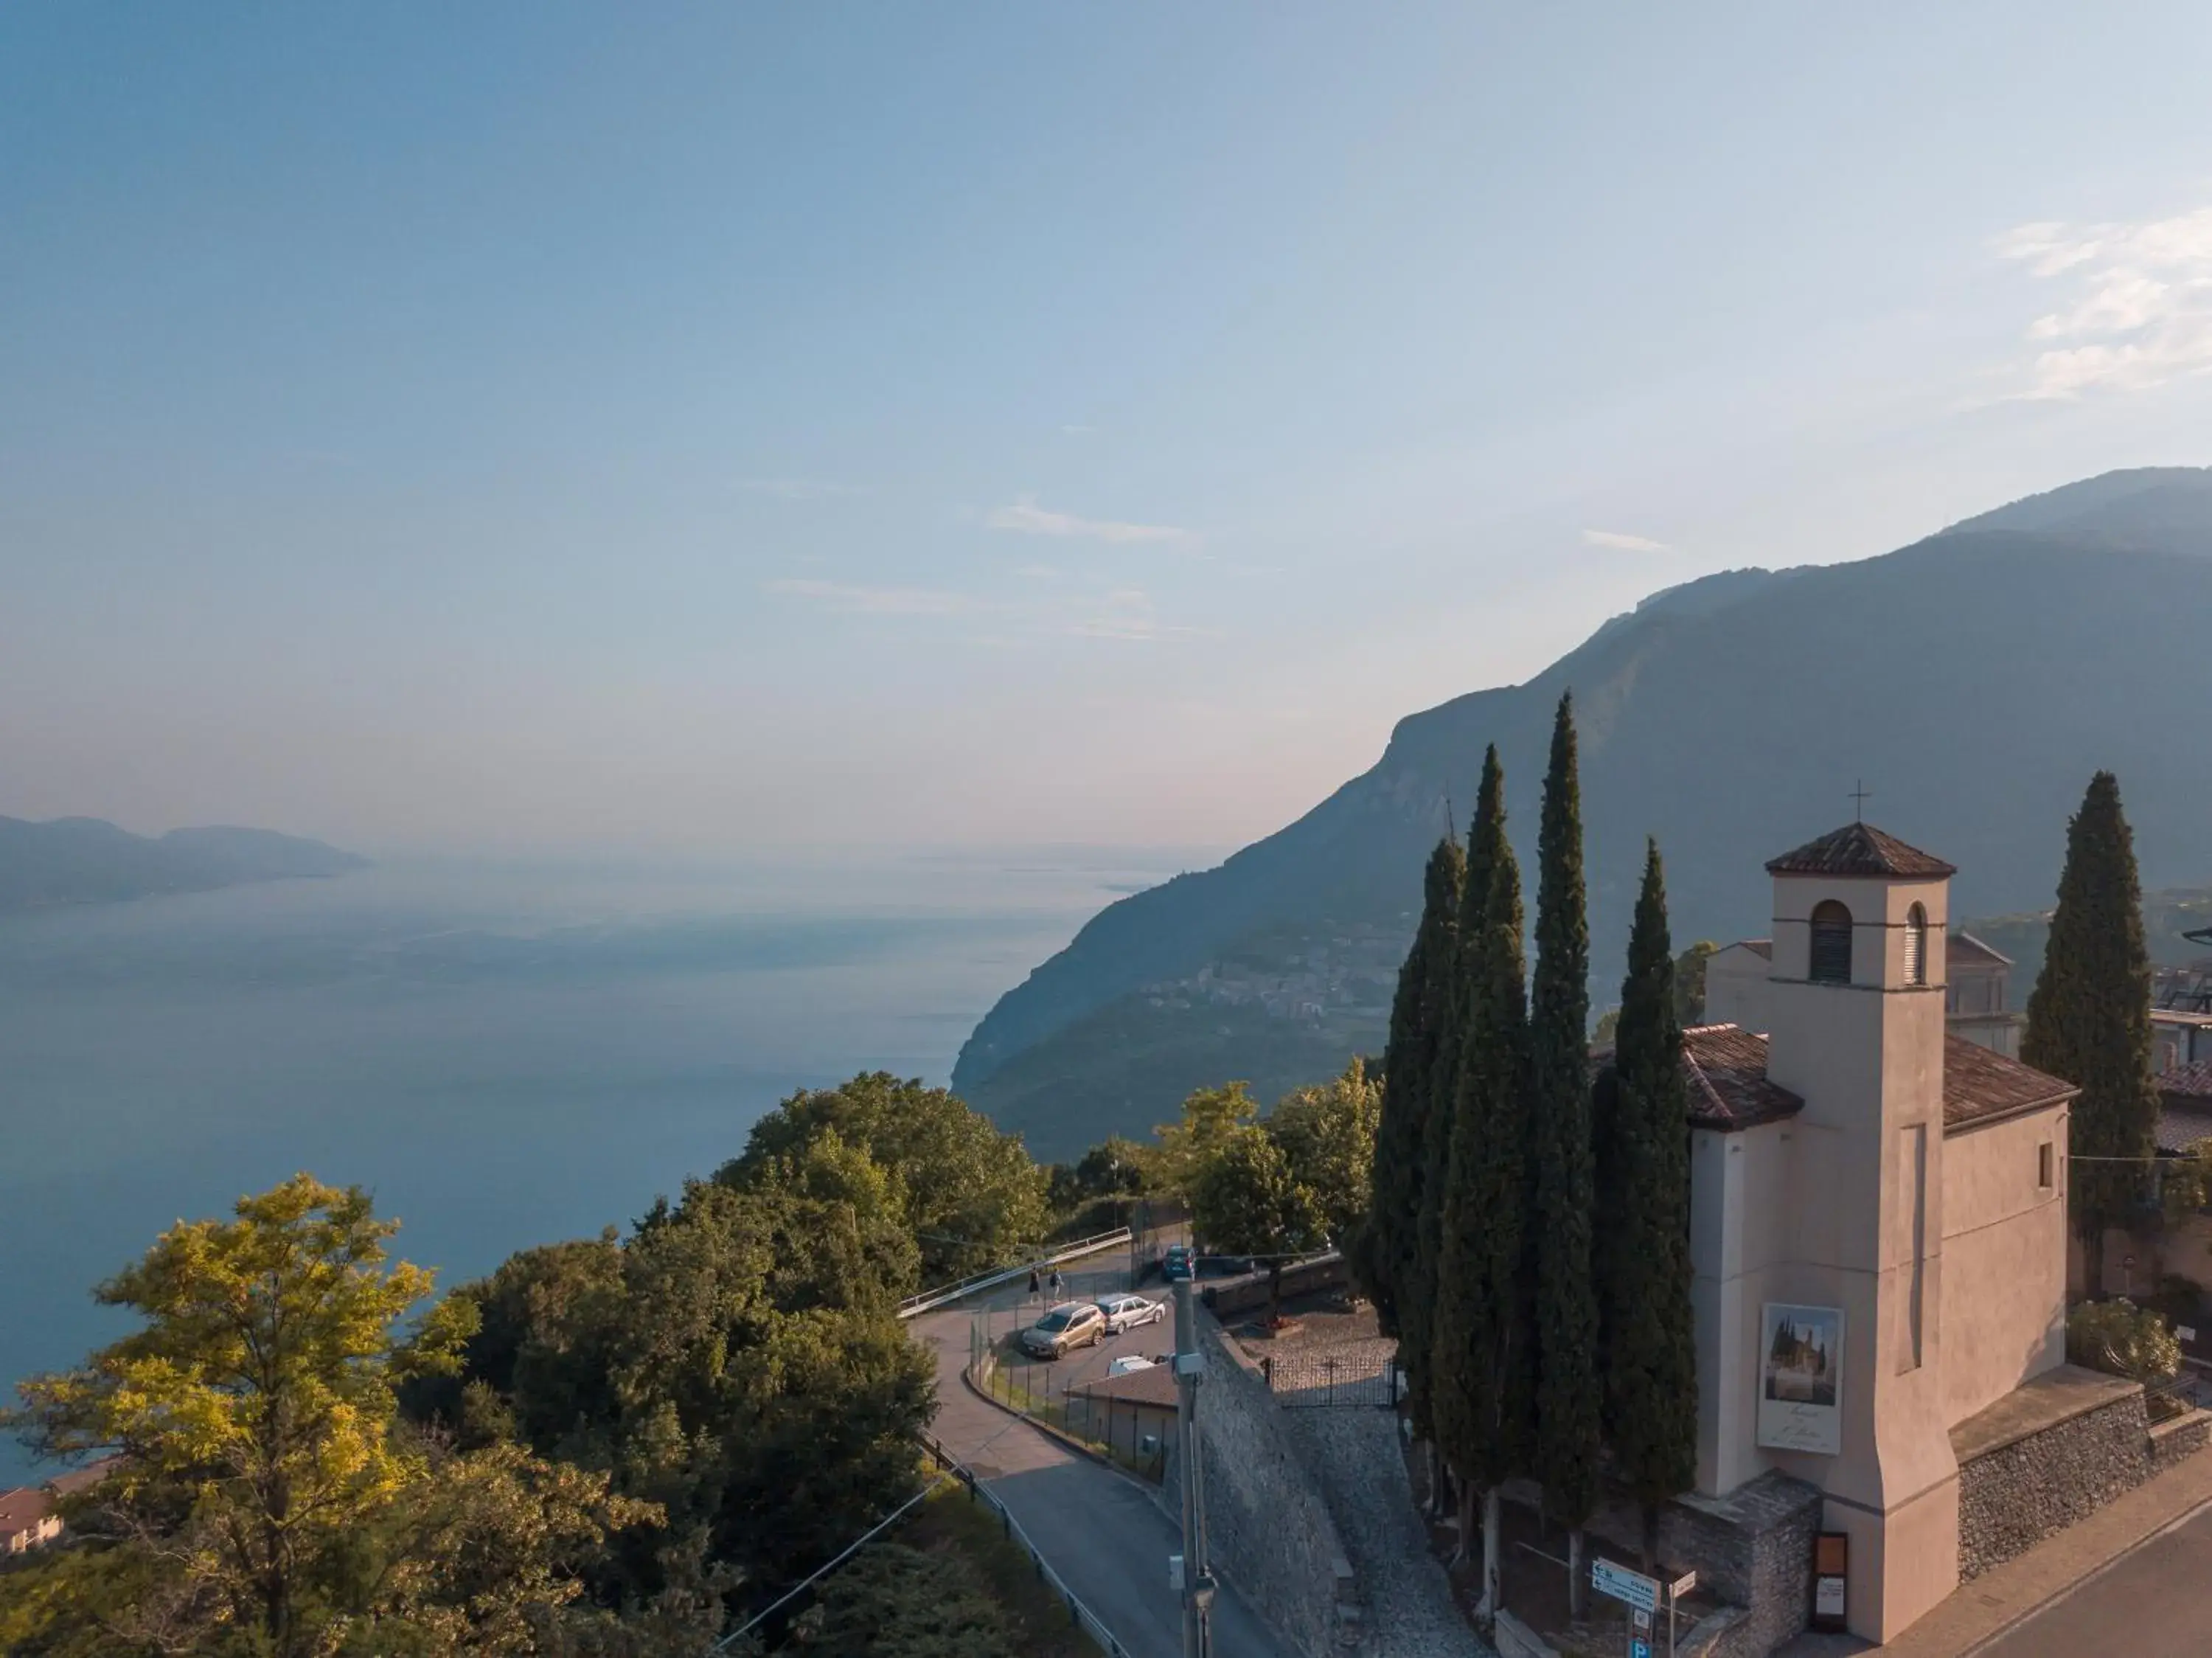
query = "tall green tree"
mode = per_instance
[
  {"x": 1187, "y": 1146},
  {"x": 736, "y": 1360},
  {"x": 1569, "y": 1396},
  {"x": 2088, "y": 1021},
  {"x": 1247, "y": 1202},
  {"x": 974, "y": 1198},
  {"x": 1485, "y": 1344},
  {"x": 1384, "y": 1255},
  {"x": 1417, "y": 1293},
  {"x": 1642, "y": 1253},
  {"x": 1327, "y": 1134},
  {"x": 266, "y": 1497}
]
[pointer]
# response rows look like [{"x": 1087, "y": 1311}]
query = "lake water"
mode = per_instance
[{"x": 505, "y": 1056}]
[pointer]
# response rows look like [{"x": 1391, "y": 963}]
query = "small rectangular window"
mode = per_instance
[{"x": 2045, "y": 1171}]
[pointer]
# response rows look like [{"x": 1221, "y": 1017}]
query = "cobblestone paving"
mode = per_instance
[{"x": 1409, "y": 1609}]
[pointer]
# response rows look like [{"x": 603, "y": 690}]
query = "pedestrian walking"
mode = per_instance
[
  {"x": 1058, "y": 1283},
  {"x": 1033, "y": 1280}
]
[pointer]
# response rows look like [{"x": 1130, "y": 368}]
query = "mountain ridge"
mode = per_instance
[
  {"x": 80, "y": 860},
  {"x": 1973, "y": 679}
]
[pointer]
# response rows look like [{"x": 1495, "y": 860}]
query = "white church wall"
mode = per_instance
[{"x": 2004, "y": 1259}]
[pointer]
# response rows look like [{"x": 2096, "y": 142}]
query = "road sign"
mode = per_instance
[
  {"x": 1682, "y": 1585},
  {"x": 1638, "y": 1620},
  {"x": 1638, "y": 1647},
  {"x": 1623, "y": 1584}
]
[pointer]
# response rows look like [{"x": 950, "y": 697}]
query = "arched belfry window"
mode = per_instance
[
  {"x": 1832, "y": 944},
  {"x": 1916, "y": 946}
]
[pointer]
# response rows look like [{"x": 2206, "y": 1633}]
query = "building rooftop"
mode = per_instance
[
  {"x": 23, "y": 1508},
  {"x": 1860, "y": 849},
  {"x": 1153, "y": 1386},
  {"x": 2183, "y": 1122},
  {"x": 1979, "y": 1084},
  {"x": 1725, "y": 1067},
  {"x": 2192, "y": 1082},
  {"x": 1965, "y": 950}
]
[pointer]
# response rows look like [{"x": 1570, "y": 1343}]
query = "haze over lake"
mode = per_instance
[{"x": 506, "y": 1056}]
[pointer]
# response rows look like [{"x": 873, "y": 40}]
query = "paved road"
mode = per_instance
[
  {"x": 1100, "y": 1529},
  {"x": 2156, "y": 1603}
]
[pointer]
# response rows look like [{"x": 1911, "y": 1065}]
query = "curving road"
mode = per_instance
[{"x": 1100, "y": 1529}]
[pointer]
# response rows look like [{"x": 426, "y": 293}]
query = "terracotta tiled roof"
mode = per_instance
[
  {"x": 1860, "y": 849},
  {"x": 2188, "y": 1082},
  {"x": 2181, "y": 1126},
  {"x": 1155, "y": 1385},
  {"x": 1761, "y": 948},
  {"x": 1979, "y": 1084},
  {"x": 1965, "y": 949},
  {"x": 23, "y": 1508},
  {"x": 1726, "y": 1069}
]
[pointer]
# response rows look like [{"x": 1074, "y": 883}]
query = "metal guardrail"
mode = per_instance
[
  {"x": 1084, "y": 1618},
  {"x": 913, "y": 1305}
]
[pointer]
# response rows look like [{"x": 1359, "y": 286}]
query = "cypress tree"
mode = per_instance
[
  {"x": 1417, "y": 1298},
  {"x": 2088, "y": 1019},
  {"x": 1649, "y": 1346},
  {"x": 1387, "y": 1250},
  {"x": 1569, "y": 1394},
  {"x": 1485, "y": 1334}
]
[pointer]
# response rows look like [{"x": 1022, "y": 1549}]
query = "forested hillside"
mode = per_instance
[{"x": 1971, "y": 681}]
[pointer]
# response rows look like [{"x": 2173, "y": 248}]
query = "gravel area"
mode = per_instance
[{"x": 1409, "y": 1610}]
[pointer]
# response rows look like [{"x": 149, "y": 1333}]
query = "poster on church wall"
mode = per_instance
[{"x": 1800, "y": 1378}]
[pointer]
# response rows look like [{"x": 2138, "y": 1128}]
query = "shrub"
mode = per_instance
[{"x": 2123, "y": 1339}]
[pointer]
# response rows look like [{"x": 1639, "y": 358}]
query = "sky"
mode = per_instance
[{"x": 693, "y": 429}]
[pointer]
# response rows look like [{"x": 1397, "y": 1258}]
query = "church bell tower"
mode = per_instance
[{"x": 1855, "y": 1000}]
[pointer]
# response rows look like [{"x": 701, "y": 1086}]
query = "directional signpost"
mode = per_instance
[
  {"x": 1622, "y": 1584},
  {"x": 1644, "y": 1595}
]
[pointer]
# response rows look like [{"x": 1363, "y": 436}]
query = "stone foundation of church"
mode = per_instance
[
  {"x": 2060, "y": 1454},
  {"x": 1752, "y": 1549}
]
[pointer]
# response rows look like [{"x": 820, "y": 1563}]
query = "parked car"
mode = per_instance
[
  {"x": 1128, "y": 1362},
  {"x": 1071, "y": 1324},
  {"x": 1178, "y": 1261},
  {"x": 1127, "y": 1311}
]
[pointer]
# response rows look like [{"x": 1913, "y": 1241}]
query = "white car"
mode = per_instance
[{"x": 1129, "y": 1312}]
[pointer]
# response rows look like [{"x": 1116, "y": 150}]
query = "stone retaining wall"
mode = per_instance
[
  {"x": 2170, "y": 1441},
  {"x": 1753, "y": 1548},
  {"x": 1269, "y": 1530},
  {"x": 2016, "y": 1496}
]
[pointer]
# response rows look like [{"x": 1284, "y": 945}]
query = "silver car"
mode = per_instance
[
  {"x": 1129, "y": 1312},
  {"x": 1071, "y": 1324}
]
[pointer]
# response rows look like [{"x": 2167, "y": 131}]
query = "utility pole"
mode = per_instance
[{"x": 1197, "y": 1579}]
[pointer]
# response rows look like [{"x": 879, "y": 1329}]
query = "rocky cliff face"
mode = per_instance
[{"x": 1973, "y": 681}]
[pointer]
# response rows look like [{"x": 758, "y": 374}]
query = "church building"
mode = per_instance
[{"x": 1878, "y": 1220}]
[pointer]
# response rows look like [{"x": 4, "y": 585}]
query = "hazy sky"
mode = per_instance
[{"x": 707, "y": 428}]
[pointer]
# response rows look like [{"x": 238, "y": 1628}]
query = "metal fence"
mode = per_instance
[
  {"x": 1079, "y": 1614},
  {"x": 1327, "y": 1380},
  {"x": 913, "y": 1305}
]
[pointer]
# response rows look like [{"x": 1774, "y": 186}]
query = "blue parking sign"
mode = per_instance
[{"x": 1639, "y": 1648}]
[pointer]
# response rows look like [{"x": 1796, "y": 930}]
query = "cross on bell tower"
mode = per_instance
[{"x": 1860, "y": 795}]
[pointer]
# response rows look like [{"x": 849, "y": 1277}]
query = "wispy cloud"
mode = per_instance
[
  {"x": 2137, "y": 310},
  {"x": 1620, "y": 542},
  {"x": 856, "y": 600},
  {"x": 797, "y": 489},
  {"x": 1025, "y": 517}
]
